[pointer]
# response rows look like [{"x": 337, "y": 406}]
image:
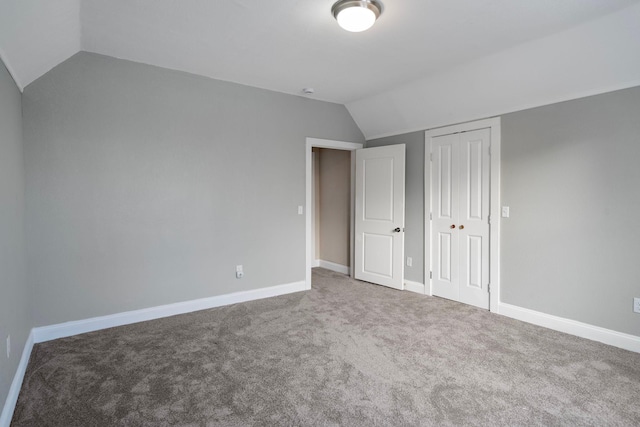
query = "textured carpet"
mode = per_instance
[{"x": 344, "y": 353}]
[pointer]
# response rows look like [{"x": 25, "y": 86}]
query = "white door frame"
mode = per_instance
[
  {"x": 314, "y": 197},
  {"x": 494, "y": 240},
  {"x": 335, "y": 145}
]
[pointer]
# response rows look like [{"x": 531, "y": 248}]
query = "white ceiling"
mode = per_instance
[
  {"x": 37, "y": 35},
  {"x": 282, "y": 45},
  {"x": 598, "y": 56}
]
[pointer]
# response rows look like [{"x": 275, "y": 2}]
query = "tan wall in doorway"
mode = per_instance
[{"x": 335, "y": 193}]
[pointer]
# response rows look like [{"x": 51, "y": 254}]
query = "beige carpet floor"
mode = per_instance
[{"x": 345, "y": 353}]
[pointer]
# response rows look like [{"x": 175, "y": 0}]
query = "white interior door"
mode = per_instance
[
  {"x": 379, "y": 215},
  {"x": 445, "y": 214},
  {"x": 460, "y": 216}
]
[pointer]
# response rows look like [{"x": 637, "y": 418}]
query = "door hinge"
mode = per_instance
[
  {"x": 431, "y": 157},
  {"x": 489, "y": 150},
  {"x": 430, "y": 216},
  {"x": 431, "y": 275},
  {"x": 489, "y": 287},
  {"x": 489, "y": 219}
]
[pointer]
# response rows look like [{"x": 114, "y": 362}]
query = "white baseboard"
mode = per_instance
[
  {"x": 583, "y": 330},
  {"x": 16, "y": 384},
  {"x": 61, "y": 330},
  {"x": 414, "y": 287},
  {"x": 315, "y": 263},
  {"x": 338, "y": 268}
]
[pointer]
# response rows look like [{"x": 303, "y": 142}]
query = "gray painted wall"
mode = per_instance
[
  {"x": 335, "y": 205},
  {"x": 15, "y": 309},
  {"x": 414, "y": 205},
  {"x": 146, "y": 186},
  {"x": 571, "y": 176}
]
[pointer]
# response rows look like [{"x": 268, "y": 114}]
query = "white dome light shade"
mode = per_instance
[
  {"x": 356, "y": 16},
  {"x": 356, "y": 19}
]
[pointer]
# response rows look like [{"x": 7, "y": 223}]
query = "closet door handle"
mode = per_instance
[
  {"x": 461, "y": 227},
  {"x": 396, "y": 230},
  {"x": 452, "y": 226}
]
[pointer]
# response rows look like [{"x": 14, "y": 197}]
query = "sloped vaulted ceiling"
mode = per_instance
[
  {"x": 37, "y": 35},
  {"x": 596, "y": 57},
  {"x": 390, "y": 77}
]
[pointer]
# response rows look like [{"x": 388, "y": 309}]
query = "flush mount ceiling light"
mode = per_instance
[{"x": 356, "y": 16}]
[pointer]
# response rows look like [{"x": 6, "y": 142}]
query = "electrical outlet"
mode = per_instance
[
  {"x": 239, "y": 272},
  {"x": 636, "y": 305},
  {"x": 409, "y": 261},
  {"x": 8, "y": 346}
]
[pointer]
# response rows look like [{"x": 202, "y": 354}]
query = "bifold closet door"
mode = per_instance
[{"x": 460, "y": 191}]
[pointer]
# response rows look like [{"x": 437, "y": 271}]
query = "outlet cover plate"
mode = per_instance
[{"x": 636, "y": 305}]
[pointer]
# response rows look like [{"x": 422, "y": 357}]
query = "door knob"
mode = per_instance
[
  {"x": 462, "y": 227},
  {"x": 396, "y": 230},
  {"x": 453, "y": 226}
]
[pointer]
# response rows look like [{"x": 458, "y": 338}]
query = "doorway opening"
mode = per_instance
[
  {"x": 312, "y": 143},
  {"x": 331, "y": 216}
]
